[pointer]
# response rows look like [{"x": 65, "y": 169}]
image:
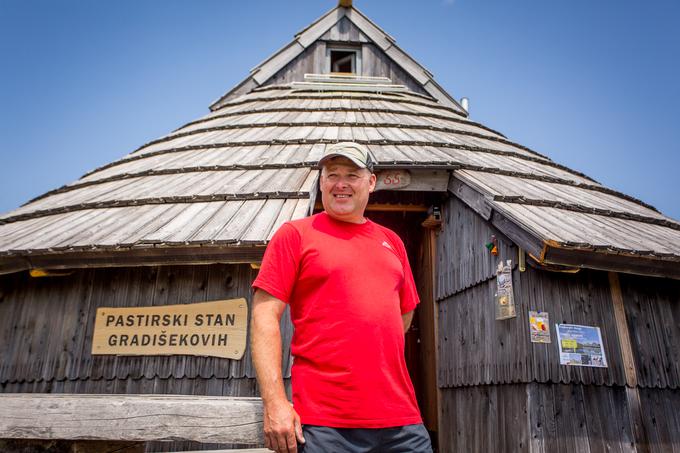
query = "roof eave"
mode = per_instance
[
  {"x": 545, "y": 251},
  {"x": 629, "y": 263},
  {"x": 186, "y": 254}
]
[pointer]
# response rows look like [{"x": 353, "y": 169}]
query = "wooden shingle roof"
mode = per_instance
[
  {"x": 228, "y": 180},
  {"x": 218, "y": 187}
]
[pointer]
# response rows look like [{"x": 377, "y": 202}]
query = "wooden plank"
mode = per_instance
[
  {"x": 277, "y": 62},
  {"x": 475, "y": 200},
  {"x": 131, "y": 418},
  {"x": 630, "y": 264},
  {"x": 64, "y": 446},
  {"x": 437, "y": 92},
  {"x": 375, "y": 34},
  {"x": 608, "y": 429},
  {"x": 424, "y": 273},
  {"x": 261, "y": 226},
  {"x": 323, "y": 24},
  {"x": 637, "y": 421},
  {"x": 420, "y": 180},
  {"x": 520, "y": 236},
  {"x": 622, "y": 330},
  {"x": 245, "y": 450},
  {"x": 149, "y": 257},
  {"x": 12, "y": 265},
  {"x": 407, "y": 64}
]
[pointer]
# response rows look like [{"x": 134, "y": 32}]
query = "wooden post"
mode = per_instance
[
  {"x": 622, "y": 330},
  {"x": 632, "y": 391}
]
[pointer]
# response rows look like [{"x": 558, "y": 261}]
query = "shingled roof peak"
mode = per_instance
[{"x": 263, "y": 73}]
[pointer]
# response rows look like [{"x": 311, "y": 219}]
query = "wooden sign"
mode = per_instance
[
  {"x": 216, "y": 328},
  {"x": 392, "y": 179}
]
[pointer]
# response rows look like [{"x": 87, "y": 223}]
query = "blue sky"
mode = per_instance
[{"x": 595, "y": 85}]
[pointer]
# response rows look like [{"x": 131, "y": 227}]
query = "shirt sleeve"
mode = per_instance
[{"x": 280, "y": 264}]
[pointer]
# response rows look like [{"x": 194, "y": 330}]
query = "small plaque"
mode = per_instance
[{"x": 392, "y": 179}]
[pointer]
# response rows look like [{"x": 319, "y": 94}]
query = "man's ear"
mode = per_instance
[{"x": 372, "y": 181}]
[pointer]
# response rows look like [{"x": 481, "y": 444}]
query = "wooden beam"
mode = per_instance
[
  {"x": 640, "y": 265},
  {"x": 470, "y": 197},
  {"x": 139, "y": 418},
  {"x": 386, "y": 207},
  {"x": 152, "y": 256},
  {"x": 71, "y": 446},
  {"x": 520, "y": 236},
  {"x": 419, "y": 180},
  {"x": 622, "y": 330},
  {"x": 10, "y": 265},
  {"x": 345, "y": 3},
  {"x": 246, "y": 450}
]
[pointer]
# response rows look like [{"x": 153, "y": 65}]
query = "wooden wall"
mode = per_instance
[
  {"x": 463, "y": 261},
  {"x": 46, "y": 327},
  {"x": 653, "y": 313},
  {"x": 490, "y": 351},
  {"x": 482, "y": 362},
  {"x": 558, "y": 418},
  {"x": 488, "y": 418}
]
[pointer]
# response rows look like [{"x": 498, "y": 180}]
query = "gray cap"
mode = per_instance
[{"x": 355, "y": 152}]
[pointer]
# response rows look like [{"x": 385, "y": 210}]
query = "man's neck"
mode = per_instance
[{"x": 354, "y": 220}]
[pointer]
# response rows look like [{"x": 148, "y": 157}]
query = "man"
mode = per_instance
[{"x": 351, "y": 295}]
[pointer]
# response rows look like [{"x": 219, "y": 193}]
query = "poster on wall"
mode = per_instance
[
  {"x": 539, "y": 326},
  {"x": 581, "y": 346}
]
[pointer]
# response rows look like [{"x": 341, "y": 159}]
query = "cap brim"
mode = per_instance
[{"x": 357, "y": 162}]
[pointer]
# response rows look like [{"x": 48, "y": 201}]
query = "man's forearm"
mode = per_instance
[
  {"x": 266, "y": 350},
  {"x": 265, "y": 334},
  {"x": 281, "y": 424}
]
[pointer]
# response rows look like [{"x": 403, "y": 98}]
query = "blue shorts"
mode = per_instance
[{"x": 400, "y": 439}]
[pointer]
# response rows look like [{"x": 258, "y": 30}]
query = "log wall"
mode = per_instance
[
  {"x": 46, "y": 327},
  {"x": 487, "y": 351},
  {"x": 558, "y": 418},
  {"x": 485, "y": 366}
]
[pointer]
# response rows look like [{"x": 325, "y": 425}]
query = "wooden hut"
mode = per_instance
[{"x": 186, "y": 218}]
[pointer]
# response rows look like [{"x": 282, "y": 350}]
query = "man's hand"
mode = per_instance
[
  {"x": 281, "y": 423},
  {"x": 282, "y": 428}
]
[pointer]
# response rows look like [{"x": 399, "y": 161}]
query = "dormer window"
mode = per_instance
[{"x": 343, "y": 60}]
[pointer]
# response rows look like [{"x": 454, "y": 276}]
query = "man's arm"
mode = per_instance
[
  {"x": 406, "y": 319},
  {"x": 281, "y": 423}
]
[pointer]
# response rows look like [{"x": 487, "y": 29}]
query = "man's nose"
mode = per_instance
[{"x": 342, "y": 182}]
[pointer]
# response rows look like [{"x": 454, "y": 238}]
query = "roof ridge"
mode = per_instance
[{"x": 305, "y": 38}]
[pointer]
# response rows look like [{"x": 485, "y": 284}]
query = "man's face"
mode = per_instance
[{"x": 344, "y": 189}]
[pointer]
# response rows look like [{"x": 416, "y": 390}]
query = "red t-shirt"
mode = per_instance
[{"x": 347, "y": 286}]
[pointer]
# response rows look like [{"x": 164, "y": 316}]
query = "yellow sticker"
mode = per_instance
[{"x": 569, "y": 344}]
